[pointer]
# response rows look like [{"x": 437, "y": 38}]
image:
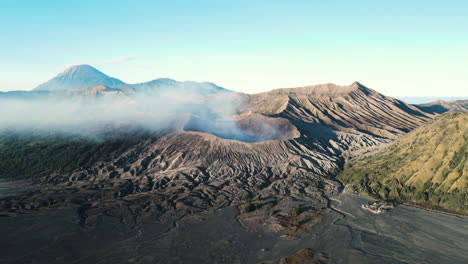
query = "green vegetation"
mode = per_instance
[
  {"x": 427, "y": 167},
  {"x": 296, "y": 211},
  {"x": 248, "y": 206},
  {"x": 28, "y": 155},
  {"x": 428, "y": 195}
]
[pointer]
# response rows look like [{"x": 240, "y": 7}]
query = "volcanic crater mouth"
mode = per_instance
[{"x": 252, "y": 129}]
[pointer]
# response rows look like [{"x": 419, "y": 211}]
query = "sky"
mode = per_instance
[{"x": 399, "y": 48}]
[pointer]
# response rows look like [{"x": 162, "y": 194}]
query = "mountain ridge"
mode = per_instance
[
  {"x": 442, "y": 106},
  {"x": 427, "y": 166},
  {"x": 330, "y": 89},
  {"x": 85, "y": 75}
]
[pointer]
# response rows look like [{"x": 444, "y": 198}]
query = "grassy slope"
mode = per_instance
[
  {"x": 26, "y": 156},
  {"x": 428, "y": 166}
]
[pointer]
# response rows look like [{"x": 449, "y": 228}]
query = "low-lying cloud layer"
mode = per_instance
[{"x": 93, "y": 111}]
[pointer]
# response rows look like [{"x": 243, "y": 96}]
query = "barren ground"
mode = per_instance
[{"x": 346, "y": 235}]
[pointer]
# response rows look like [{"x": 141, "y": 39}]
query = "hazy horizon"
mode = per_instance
[
  {"x": 407, "y": 99},
  {"x": 243, "y": 46},
  {"x": 425, "y": 99}
]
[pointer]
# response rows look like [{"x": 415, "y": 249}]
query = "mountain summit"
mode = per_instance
[
  {"x": 79, "y": 76},
  {"x": 84, "y": 75}
]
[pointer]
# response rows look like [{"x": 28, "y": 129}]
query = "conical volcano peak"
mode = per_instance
[
  {"x": 79, "y": 76},
  {"x": 81, "y": 69}
]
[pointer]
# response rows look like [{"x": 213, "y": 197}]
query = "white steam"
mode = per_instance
[{"x": 92, "y": 112}]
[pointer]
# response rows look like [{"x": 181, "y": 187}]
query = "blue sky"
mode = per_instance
[{"x": 400, "y": 48}]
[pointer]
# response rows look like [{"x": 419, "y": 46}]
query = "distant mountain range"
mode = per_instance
[
  {"x": 76, "y": 80},
  {"x": 414, "y": 100},
  {"x": 441, "y": 106},
  {"x": 82, "y": 77}
]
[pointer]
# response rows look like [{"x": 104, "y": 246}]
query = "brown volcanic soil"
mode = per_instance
[
  {"x": 185, "y": 171},
  {"x": 347, "y": 235},
  {"x": 353, "y": 108},
  {"x": 300, "y": 137}
]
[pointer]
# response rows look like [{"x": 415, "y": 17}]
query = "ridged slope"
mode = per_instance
[
  {"x": 428, "y": 166},
  {"x": 188, "y": 171},
  {"x": 351, "y": 116},
  {"x": 222, "y": 170}
]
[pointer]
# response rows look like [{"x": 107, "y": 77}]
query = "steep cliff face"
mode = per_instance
[{"x": 428, "y": 166}]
